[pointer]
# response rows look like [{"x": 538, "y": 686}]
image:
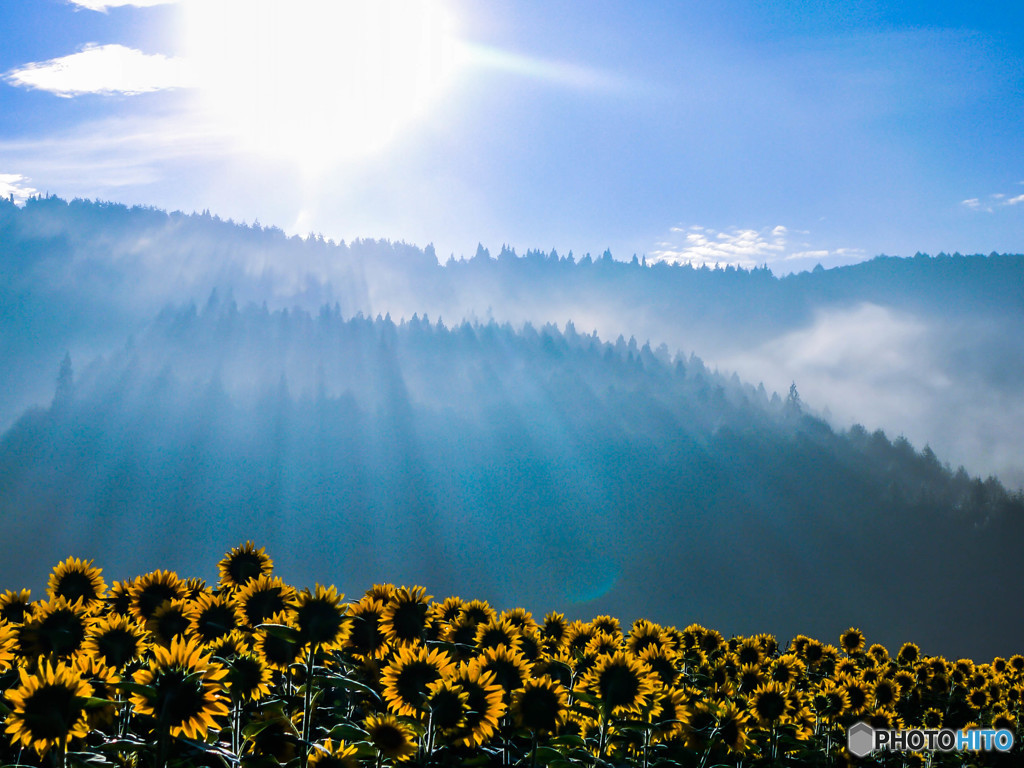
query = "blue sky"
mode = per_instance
[{"x": 785, "y": 133}]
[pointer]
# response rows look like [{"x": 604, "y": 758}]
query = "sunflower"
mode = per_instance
[
  {"x": 48, "y": 708},
  {"x": 248, "y": 678},
  {"x": 485, "y": 702},
  {"x": 330, "y": 755},
  {"x": 879, "y": 653},
  {"x": 119, "y": 597},
  {"x": 170, "y": 620},
  {"x": 662, "y": 662},
  {"x": 243, "y": 564},
  {"x": 76, "y": 579},
  {"x": 102, "y": 680},
  {"x": 733, "y": 725},
  {"x": 57, "y": 629},
  {"x": 577, "y": 635},
  {"x": 769, "y": 703},
  {"x": 529, "y": 645},
  {"x": 698, "y": 721},
  {"x": 16, "y": 607},
  {"x": 932, "y": 718},
  {"x": 462, "y": 632},
  {"x": 448, "y": 704},
  {"x": 213, "y": 616},
  {"x": 749, "y": 652},
  {"x": 609, "y": 625},
  {"x": 1015, "y": 662},
  {"x": 552, "y": 632},
  {"x": 186, "y": 689},
  {"x": 909, "y": 654},
  {"x": 667, "y": 714},
  {"x": 8, "y": 642},
  {"x": 786, "y": 669},
  {"x": 382, "y": 592},
  {"x": 749, "y": 677},
  {"x": 1003, "y": 719},
  {"x": 277, "y": 648},
  {"x": 621, "y": 683},
  {"x": 885, "y": 693},
  {"x": 978, "y": 698},
  {"x": 320, "y": 618},
  {"x": 116, "y": 641},
  {"x": 711, "y": 641},
  {"x": 602, "y": 644},
  {"x": 830, "y": 701},
  {"x": 643, "y": 635},
  {"x": 149, "y": 592},
  {"x": 852, "y": 641},
  {"x": 510, "y": 668},
  {"x": 405, "y": 616},
  {"x": 262, "y": 597},
  {"x": 447, "y": 610},
  {"x": 478, "y": 611},
  {"x": 408, "y": 677},
  {"x": 540, "y": 706},
  {"x": 391, "y": 737},
  {"x": 365, "y": 635},
  {"x": 492, "y": 634},
  {"x": 857, "y": 691},
  {"x": 235, "y": 643}
]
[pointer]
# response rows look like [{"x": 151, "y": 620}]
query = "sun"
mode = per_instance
[{"x": 317, "y": 81}]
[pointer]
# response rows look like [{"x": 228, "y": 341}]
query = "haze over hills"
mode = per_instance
[
  {"x": 551, "y": 431},
  {"x": 926, "y": 347},
  {"x": 540, "y": 467}
]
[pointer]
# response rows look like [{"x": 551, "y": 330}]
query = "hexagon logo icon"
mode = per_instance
[{"x": 860, "y": 739}]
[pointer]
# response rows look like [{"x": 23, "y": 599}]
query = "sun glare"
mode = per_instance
[{"x": 315, "y": 81}]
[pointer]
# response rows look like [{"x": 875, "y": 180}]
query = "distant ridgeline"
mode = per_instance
[{"x": 540, "y": 467}]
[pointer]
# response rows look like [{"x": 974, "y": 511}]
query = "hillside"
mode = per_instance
[{"x": 540, "y": 467}]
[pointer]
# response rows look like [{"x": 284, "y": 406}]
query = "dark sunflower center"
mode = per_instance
[
  {"x": 178, "y": 698},
  {"x": 62, "y": 632},
  {"x": 246, "y": 675},
  {"x": 280, "y": 651},
  {"x": 388, "y": 739},
  {"x": 263, "y": 604},
  {"x": 770, "y": 705},
  {"x": 215, "y": 622},
  {"x": 320, "y": 621},
  {"x": 117, "y": 647},
  {"x": 365, "y": 635},
  {"x": 244, "y": 567},
  {"x": 171, "y": 624},
  {"x": 413, "y": 679},
  {"x": 75, "y": 584},
  {"x": 14, "y": 612},
  {"x": 50, "y": 712},
  {"x": 446, "y": 709},
  {"x": 540, "y": 709},
  {"x": 409, "y": 620},
  {"x": 619, "y": 686},
  {"x": 152, "y": 596}
]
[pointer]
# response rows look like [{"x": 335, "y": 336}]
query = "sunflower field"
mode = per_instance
[{"x": 164, "y": 671}]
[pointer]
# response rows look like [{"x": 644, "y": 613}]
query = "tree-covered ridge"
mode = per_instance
[{"x": 526, "y": 465}]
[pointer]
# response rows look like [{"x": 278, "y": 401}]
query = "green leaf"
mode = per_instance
[
  {"x": 143, "y": 690},
  {"x": 280, "y": 630}
]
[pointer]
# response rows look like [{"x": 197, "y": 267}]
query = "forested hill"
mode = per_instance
[
  {"x": 541, "y": 467},
  {"x": 925, "y": 346}
]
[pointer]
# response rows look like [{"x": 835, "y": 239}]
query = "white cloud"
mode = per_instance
[
  {"x": 13, "y": 185},
  {"x": 103, "y": 5},
  {"x": 993, "y": 201},
  {"x": 747, "y": 248},
  {"x": 738, "y": 247},
  {"x": 105, "y": 69}
]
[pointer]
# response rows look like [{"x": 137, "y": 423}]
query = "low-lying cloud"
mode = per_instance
[{"x": 103, "y": 69}]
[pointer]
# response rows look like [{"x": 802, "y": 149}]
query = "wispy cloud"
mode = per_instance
[
  {"x": 103, "y": 69},
  {"x": 993, "y": 201},
  {"x": 784, "y": 248},
  {"x": 104, "y": 5},
  {"x": 13, "y": 185},
  {"x": 737, "y": 247}
]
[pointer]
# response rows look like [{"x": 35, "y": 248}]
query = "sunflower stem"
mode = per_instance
[{"x": 306, "y": 702}]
